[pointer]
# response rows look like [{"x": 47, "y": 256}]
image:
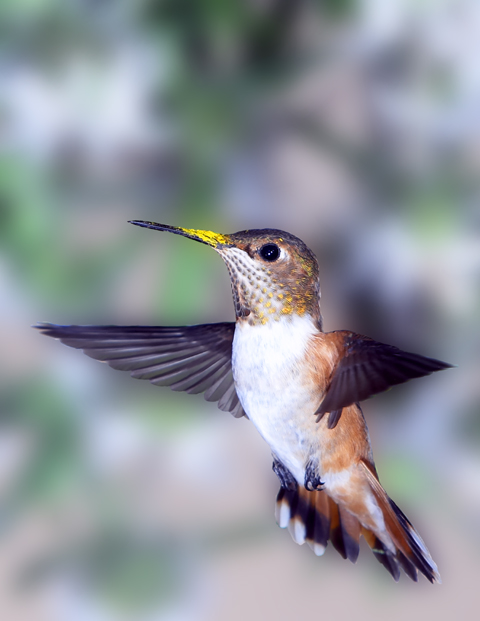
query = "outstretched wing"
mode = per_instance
[
  {"x": 193, "y": 359},
  {"x": 366, "y": 367}
]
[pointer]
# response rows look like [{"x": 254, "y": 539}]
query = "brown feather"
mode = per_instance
[{"x": 411, "y": 551}]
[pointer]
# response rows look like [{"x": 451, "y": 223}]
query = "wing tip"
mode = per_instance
[
  {"x": 42, "y": 325},
  {"x": 46, "y": 328}
]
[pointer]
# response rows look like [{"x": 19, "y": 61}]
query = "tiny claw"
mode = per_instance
[
  {"x": 315, "y": 487},
  {"x": 312, "y": 481}
]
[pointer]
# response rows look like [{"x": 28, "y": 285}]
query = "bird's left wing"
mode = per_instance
[
  {"x": 366, "y": 367},
  {"x": 193, "y": 359}
]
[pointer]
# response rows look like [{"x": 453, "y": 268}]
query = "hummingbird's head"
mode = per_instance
[{"x": 274, "y": 275}]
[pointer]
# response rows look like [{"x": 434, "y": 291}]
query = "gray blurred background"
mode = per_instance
[{"x": 355, "y": 125}]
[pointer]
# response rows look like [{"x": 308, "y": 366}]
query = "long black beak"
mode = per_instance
[{"x": 205, "y": 237}]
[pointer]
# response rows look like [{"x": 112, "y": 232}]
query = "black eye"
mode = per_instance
[{"x": 270, "y": 252}]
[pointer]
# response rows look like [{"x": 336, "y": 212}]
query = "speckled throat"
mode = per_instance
[{"x": 262, "y": 294}]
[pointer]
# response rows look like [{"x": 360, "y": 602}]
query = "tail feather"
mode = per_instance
[
  {"x": 344, "y": 531},
  {"x": 315, "y": 518},
  {"x": 420, "y": 556},
  {"x": 336, "y": 532},
  {"x": 307, "y": 517},
  {"x": 391, "y": 562},
  {"x": 407, "y": 566},
  {"x": 405, "y": 537},
  {"x": 350, "y": 529}
]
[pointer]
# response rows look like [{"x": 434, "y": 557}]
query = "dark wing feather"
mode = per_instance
[
  {"x": 193, "y": 359},
  {"x": 367, "y": 367}
]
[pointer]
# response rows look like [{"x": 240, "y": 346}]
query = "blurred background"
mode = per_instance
[{"x": 355, "y": 125}]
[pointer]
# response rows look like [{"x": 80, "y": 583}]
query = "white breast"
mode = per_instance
[{"x": 269, "y": 371}]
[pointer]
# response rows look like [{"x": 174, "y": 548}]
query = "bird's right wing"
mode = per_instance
[{"x": 193, "y": 359}]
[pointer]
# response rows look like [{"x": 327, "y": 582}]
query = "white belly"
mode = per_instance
[{"x": 268, "y": 367}]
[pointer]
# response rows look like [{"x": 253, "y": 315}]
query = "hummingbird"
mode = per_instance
[{"x": 299, "y": 386}]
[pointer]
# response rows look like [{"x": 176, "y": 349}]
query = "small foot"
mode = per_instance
[
  {"x": 287, "y": 480},
  {"x": 312, "y": 480}
]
